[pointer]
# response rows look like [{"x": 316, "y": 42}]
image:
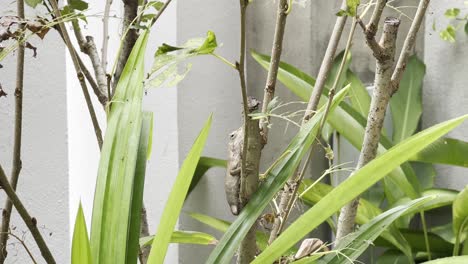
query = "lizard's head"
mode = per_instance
[{"x": 253, "y": 103}]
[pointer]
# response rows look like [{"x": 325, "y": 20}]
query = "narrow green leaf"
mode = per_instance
[
  {"x": 113, "y": 198},
  {"x": 138, "y": 187},
  {"x": 33, "y": 3},
  {"x": 176, "y": 198},
  {"x": 204, "y": 164},
  {"x": 416, "y": 240},
  {"x": 358, "y": 95},
  {"x": 406, "y": 103},
  {"x": 78, "y": 4},
  {"x": 460, "y": 216},
  {"x": 449, "y": 260},
  {"x": 184, "y": 237},
  {"x": 355, "y": 185},
  {"x": 445, "y": 151},
  {"x": 356, "y": 243},
  {"x": 275, "y": 180},
  {"x": 81, "y": 252},
  {"x": 347, "y": 121}
]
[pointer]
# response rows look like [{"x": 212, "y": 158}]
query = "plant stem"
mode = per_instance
[
  {"x": 426, "y": 238},
  {"x": 25, "y": 247},
  {"x": 16, "y": 163},
  {"x": 79, "y": 73},
  {"x": 105, "y": 34},
  {"x": 380, "y": 99},
  {"x": 30, "y": 222},
  {"x": 326, "y": 65},
  {"x": 88, "y": 47},
  {"x": 277, "y": 48}
]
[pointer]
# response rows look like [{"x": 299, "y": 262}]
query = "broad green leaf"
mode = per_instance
[
  {"x": 81, "y": 252},
  {"x": 392, "y": 257},
  {"x": 449, "y": 34},
  {"x": 223, "y": 226},
  {"x": 33, "y": 3},
  {"x": 204, "y": 164},
  {"x": 78, "y": 4},
  {"x": 452, "y": 12},
  {"x": 138, "y": 187},
  {"x": 358, "y": 95},
  {"x": 406, "y": 103},
  {"x": 449, "y": 260},
  {"x": 184, "y": 237},
  {"x": 276, "y": 178},
  {"x": 177, "y": 197},
  {"x": 356, "y": 243},
  {"x": 167, "y": 59},
  {"x": 347, "y": 121},
  {"x": 445, "y": 151},
  {"x": 113, "y": 199},
  {"x": 353, "y": 186},
  {"x": 460, "y": 215}
]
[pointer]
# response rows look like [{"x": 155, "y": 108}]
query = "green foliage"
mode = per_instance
[
  {"x": 351, "y": 8},
  {"x": 78, "y": 4},
  {"x": 177, "y": 197},
  {"x": 460, "y": 217},
  {"x": 81, "y": 252},
  {"x": 275, "y": 179},
  {"x": 33, "y": 3},
  {"x": 450, "y": 260},
  {"x": 456, "y": 21},
  {"x": 204, "y": 164},
  {"x": 184, "y": 237},
  {"x": 167, "y": 57}
]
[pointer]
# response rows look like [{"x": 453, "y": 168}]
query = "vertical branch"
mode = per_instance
[
  {"x": 276, "y": 50},
  {"x": 130, "y": 14},
  {"x": 105, "y": 34},
  {"x": 79, "y": 73},
  {"x": 16, "y": 164},
  {"x": 30, "y": 222},
  {"x": 380, "y": 99},
  {"x": 326, "y": 65}
]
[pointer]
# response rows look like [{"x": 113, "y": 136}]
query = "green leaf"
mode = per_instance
[
  {"x": 347, "y": 121},
  {"x": 351, "y": 6},
  {"x": 449, "y": 260},
  {"x": 392, "y": 257},
  {"x": 354, "y": 244},
  {"x": 176, "y": 198},
  {"x": 353, "y": 186},
  {"x": 78, "y": 4},
  {"x": 33, "y": 3},
  {"x": 184, "y": 237},
  {"x": 156, "y": 5},
  {"x": 358, "y": 95},
  {"x": 452, "y": 12},
  {"x": 138, "y": 187},
  {"x": 460, "y": 214},
  {"x": 448, "y": 34},
  {"x": 167, "y": 59},
  {"x": 406, "y": 103},
  {"x": 416, "y": 240},
  {"x": 117, "y": 174},
  {"x": 276, "y": 178},
  {"x": 445, "y": 151},
  {"x": 204, "y": 164},
  {"x": 223, "y": 226},
  {"x": 81, "y": 252},
  {"x": 466, "y": 27}
]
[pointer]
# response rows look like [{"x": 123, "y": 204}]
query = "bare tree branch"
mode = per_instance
[
  {"x": 276, "y": 51},
  {"x": 88, "y": 47},
  {"x": 105, "y": 34},
  {"x": 16, "y": 164},
  {"x": 30, "y": 222},
  {"x": 326, "y": 65},
  {"x": 79, "y": 73},
  {"x": 380, "y": 99}
]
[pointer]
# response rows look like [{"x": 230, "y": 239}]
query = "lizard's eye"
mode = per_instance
[{"x": 231, "y": 135}]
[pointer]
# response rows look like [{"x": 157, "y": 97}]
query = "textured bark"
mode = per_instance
[
  {"x": 144, "y": 232},
  {"x": 16, "y": 164},
  {"x": 380, "y": 99},
  {"x": 30, "y": 222}
]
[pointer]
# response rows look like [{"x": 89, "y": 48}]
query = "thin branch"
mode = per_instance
[
  {"x": 88, "y": 47},
  {"x": 79, "y": 73},
  {"x": 16, "y": 166},
  {"x": 277, "y": 47},
  {"x": 409, "y": 44},
  {"x": 326, "y": 65},
  {"x": 373, "y": 24},
  {"x": 161, "y": 11},
  {"x": 129, "y": 39},
  {"x": 24, "y": 246},
  {"x": 30, "y": 222},
  {"x": 105, "y": 34},
  {"x": 380, "y": 99}
]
